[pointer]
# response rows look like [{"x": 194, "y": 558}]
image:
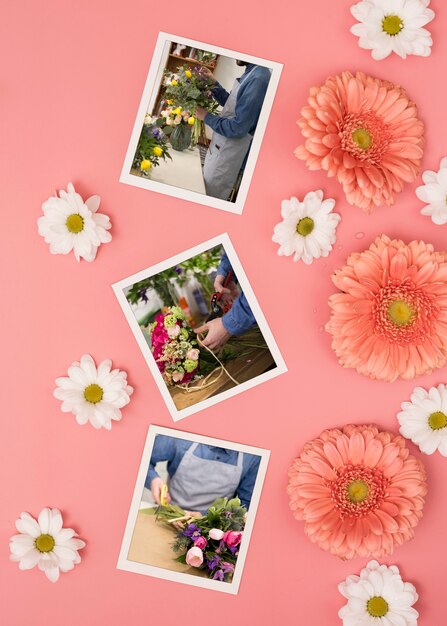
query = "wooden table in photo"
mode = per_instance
[
  {"x": 151, "y": 545},
  {"x": 184, "y": 171},
  {"x": 255, "y": 361}
]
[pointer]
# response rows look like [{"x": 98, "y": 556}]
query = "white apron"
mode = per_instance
[
  {"x": 225, "y": 155},
  {"x": 198, "y": 482}
]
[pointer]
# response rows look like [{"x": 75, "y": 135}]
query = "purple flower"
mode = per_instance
[
  {"x": 234, "y": 550},
  {"x": 178, "y": 270},
  {"x": 227, "y": 567},
  {"x": 218, "y": 575},
  {"x": 213, "y": 562},
  {"x": 192, "y": 531},
  {"x": 156, "y": 132}
]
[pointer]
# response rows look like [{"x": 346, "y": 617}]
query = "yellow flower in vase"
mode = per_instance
[
  {"x": 170, "y": 101},
  {"x": 191, "y": 120},
  {"x": 145, "y": 165},
  {"x": 174, "y": 82},
  {"x": 157, "y": 151},
  {"x": 177, "y": 111},
  {"x": 188, "y": 74}
]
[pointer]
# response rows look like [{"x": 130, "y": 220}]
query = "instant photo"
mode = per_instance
[
  {"x": 200, "y": 328},
  {"x": 200, "y": 123},
  {"x": 193, "y": 509}
]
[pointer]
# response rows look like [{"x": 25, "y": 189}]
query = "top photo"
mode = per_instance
[{"x": 200, "y": 123}]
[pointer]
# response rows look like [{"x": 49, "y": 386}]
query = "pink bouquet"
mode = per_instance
[{"x": 174, "y": 347}]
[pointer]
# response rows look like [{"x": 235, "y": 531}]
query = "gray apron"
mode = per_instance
[
  {"x": 198, "y": 482},
  {"x": 225, "y": 155}
]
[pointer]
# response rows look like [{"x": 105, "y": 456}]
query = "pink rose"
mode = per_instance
[
  {"x": 216, "y": 533},
  {"x": 193, "y": 354},
  {"x": 232, "y": 538},
  {"x": 173, "y": 331},
  {"x": 177, "y": 377},
  {"x": 201, "y": 543},
  {"x": 194, "y": 557}
]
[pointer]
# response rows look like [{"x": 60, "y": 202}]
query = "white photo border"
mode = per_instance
[
  {"x": 223, "y": 240},
  {"x": 193, "y": 196},
  {"x": 158, "y": 572}
]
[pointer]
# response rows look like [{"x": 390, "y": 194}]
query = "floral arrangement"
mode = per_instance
[
  {"x": 70, "y": 224},
  {"x": 358, "y": 490},
  {"x": 308, "y": 227},
  {"x": 93, "y": 394},
  {"x": 45, "y": 543},
  {"x": 389, "y": 319},
  {"x": 211, "y": 542},
  {"x": 174, "y": 347},
  {"x": 385, "y": 27},
  {"x": 152, "y": 146},
  {"x": 379, "y": 592},
  {"x": 365, "y": 132},
  {"x": 190, "y": 88},
  {"x": 424, "y": 419}
]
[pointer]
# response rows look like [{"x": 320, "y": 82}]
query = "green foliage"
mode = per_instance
[
  {"x": 191, "y": 91},
  {"x": 149, "y": 145}
]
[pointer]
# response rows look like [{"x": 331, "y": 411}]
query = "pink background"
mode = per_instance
[{"x": 70, "y": 92}]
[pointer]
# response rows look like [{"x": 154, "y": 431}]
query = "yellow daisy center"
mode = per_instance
[
  {"x": 362, "y": 138},
  {"x": 93, "y": 393},
  {"x": 358, "y": 491},
  {"x": 377, "y": 606},
  {"x": 437, "y": 420},
  {"x": 392, "y": 25},
  {"x": 45, "y": 543},
  {"x": 400, "y": 312},
  {"x": 75, "y": 223},
  {"x": 305, "y": 226}
]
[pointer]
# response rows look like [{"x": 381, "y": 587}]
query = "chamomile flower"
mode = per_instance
[
  {"x": 424, "y": 419},
  {"x": 387, "y": 26},
  {"x": 308, "y": 227},
  {"x": 43, "y": 542},
  {"x": 93, "y": 394},
  {"x": 379, "y": 592},
  {"x": 434, "y": 193},
  {"x": 68, "y": 223}
]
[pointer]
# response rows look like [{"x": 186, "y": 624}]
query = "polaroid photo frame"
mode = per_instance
[
  {"x": 280, "y": 366},
  {"x": 150, "y": 570},
  {"x": 153, "y": 81}
]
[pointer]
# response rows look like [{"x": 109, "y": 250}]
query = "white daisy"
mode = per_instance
[
  {"x": 43, "y": 542},
  {"x": 434, "y": 193},
  {"x": 387, "y": 26},
  {"x": 68, "y": 223},
  {"x": 378, "y": 597},
  {"x": 308, "y": 227},
  {"x": 424, "y": 419},
  {"x": 92, "y": 394}
]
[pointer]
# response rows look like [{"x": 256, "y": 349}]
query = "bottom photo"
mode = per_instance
[{"x": 193, "y": 509}]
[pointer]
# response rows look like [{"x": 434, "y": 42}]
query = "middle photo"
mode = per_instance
[{"x": 200, "y": 327}]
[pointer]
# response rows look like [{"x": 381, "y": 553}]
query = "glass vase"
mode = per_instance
[{"x": 180, "y": 137}]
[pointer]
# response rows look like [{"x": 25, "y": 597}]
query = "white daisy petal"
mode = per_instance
[
  {"x": 434, "y": 193},
  {"x": 308, "y": 229},
  {"x": 68, "y": 223},
  {"x": 424, "y": 419}
]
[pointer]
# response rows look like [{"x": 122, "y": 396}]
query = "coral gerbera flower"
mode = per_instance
[
  {"x": 358, "y": 490},
  {"x": 390, "y": 319},
  {"x": 366, "y": 132}
]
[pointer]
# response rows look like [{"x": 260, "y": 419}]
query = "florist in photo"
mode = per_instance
[{"x": 201, "y": 118}]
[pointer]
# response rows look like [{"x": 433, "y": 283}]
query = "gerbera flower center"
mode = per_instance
[
  {"x": 377, "y": 606},
  {"x": 437, "y": 420},
  {"x": 305, "y": 226},
  {"x": 75, "y": 223},
  {"x": 93, "y": 393},
  {"x": 45, "y": 543},
  {"x": 362, "y": 138},
  {"x": 392, "y": 25},
  {"x": 403, "y": 313},
  {"x": 400, "y": 312},
  {"x": 357, "y": 491}
]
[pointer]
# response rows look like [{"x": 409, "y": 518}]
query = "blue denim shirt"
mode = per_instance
[
  {"x": 250, "y": 98},
  {"x": 172, "y": 450},
  {"x": 239, "y": 318}
]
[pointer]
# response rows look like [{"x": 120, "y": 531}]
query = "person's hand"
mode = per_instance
[
  {"x": 200, "y": 113},
  {"x": 205, "y": 71},
  {"x": 217, "y": 335},
  {"x": 229, "y": 293},
  {"x": 156, "y": 487}
]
